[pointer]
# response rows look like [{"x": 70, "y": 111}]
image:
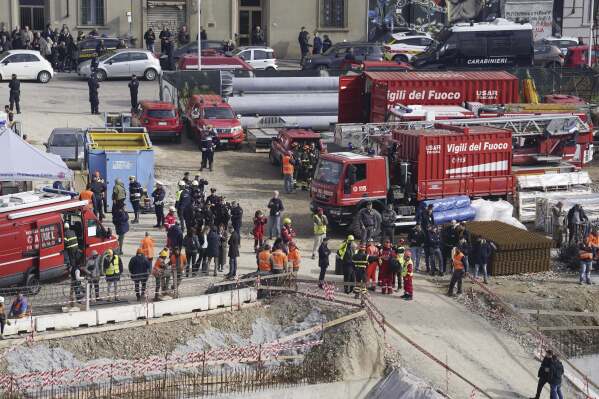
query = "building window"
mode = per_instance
[
  {"x": 91, "y": 12},
  {"x": 332, "y": 14}
]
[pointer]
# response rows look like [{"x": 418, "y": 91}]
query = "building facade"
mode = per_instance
[{"x": 223, "y": 19}]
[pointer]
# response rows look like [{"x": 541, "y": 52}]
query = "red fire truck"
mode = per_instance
[
  {"x": 32, "y": 236},
  {"x": 415, "y": 165}
]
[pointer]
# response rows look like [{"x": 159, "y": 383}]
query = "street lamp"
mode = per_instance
[{"x": 199, "y": 35}]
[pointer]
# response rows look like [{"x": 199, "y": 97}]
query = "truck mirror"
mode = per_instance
[{"x": 195, "y": 114}]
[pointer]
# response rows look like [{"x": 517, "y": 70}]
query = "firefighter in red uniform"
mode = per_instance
[
  {"x": 407, "y": 272},
  {"x": 386, "y": 274}
]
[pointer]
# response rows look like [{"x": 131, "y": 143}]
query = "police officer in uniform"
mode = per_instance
[
  {"x": 15, "y": 93},
  {"x": 158, "y": 195},
  {"x": 71, "y": 246},
  {"x": 133, "y": 90},
  {"x": 98, "y": 187},
  {"x": 135, "y": 191},
  {"x": 94, "y": 99},
  {"x": 208, "y": 145}
]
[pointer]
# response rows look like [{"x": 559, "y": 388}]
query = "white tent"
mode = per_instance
[{"x": 20, "y": 161}]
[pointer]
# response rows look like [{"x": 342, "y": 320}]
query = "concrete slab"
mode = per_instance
[
  {"x": 65, "y": 321},
  {"x": 181, "y": 305},
  {"x": 19, "y": 326},
  {"x": 124, "y": 313}
]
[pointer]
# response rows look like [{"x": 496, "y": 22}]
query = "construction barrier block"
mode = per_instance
[
  {"x": 124, "y": 313},
  {"x": 65, "y": 321},
  {"x": 19, "y": 326},
  {"x": 215, "y": 301},
  {"x": 181, "y": 306}
]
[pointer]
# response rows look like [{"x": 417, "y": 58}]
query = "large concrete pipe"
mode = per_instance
[
  {"x": 286, "y": 104},
  {"x": 290, "y": 84}
]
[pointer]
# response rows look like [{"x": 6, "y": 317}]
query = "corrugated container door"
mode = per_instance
[
  {"x": 351, "y": 99},
  {"x": 379, "y": 102},
  {"x": 96, "y": 161}
]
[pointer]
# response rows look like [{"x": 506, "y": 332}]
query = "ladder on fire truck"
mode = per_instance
[{"x": 521, "y": 126}]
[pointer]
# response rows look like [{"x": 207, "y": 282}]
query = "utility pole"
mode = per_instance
[
  {"x": 590, "y": 33},
  {"x": 199, "y": 35}
]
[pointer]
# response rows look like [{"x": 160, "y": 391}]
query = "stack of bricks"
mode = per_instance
[{"x": 518, "y": 251}]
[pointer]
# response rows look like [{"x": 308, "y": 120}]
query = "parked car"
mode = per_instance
[
  {"x": 26, "y": 64},
  {"x": 69, "y": 144},
  {"x": 161, "y": 120},
  {"x": 337, "y": 56},
  {"x": 577, "y": 56},
  {"x": 259, "y": 57},
  {"x": 548, "y": 55},
  {"x": 402, "y": 48},
  {"x": 124, "y": 63},
  {"x": 563, "y": 43},
  {"x": 209, "y": 47},
  {"x": 282, "y": 144},
  {"x": 86, "y": 49},
  {"x": 220, "y": 62}
]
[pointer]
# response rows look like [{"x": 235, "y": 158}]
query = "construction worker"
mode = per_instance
[
  {"x": 170, "y": 219},
  {"x": 113, "y": 266},
  {"x": 592, "y": 241},
  {"x": 118, "y": 194},
  {"x": 373, "y": 262},
  {"x": 279, "y": 261},
  {"x": 287, "y": 173},
  {"x": 407, "y": 273},
  {"x": 287, "y": 232},
  {"x": 178, "y": 262},
  {"x": 71, "y": 247},
  {"x": 160, "y": 273},
  {"x": 458, "y": 271},
  {"x": 360, "y": 261},
  {"x": 87, "y": 195},
  {"x": 264, "y": 260},
  {"x": 94, "y": 271},
  {"x": 345, "y": 254},
  {"x": 294, "y": 257},
  {"x": 135, "y": 192},
  {"x": 139, "y": 270},
  {"x": 585, "y": 254},
  {"x": 147, "y": 246},
  {"x": 320, "y": 229},
  {"x": 386, "y": 272}
]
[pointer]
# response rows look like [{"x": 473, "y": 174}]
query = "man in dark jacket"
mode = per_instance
[
  {"x": 139, "y": 270},
  {"x": 316, "y": 44},
  {"x": 208, "y": 145},
  {"x": 98, "y": 187},
  {"x": 323, "y": 260},
  {"x": 212, "y": 251},
  {"x": 388, "y": 223},
  {"x": 481, "y": 255},
  {"x": 369, "y": 222},
  {"x": 449, "y": 240},
  {"x": 576, "y": 218},
  {"x": 304, "y": 44},
  {"x": 427, "y": 220},
  {"x": 165, "y": 36},
  {"x": 183, "y": 36},
  {"x": 150, "y": 39},
  {"x": 556, "y": 372},
  {"x": 133, "y": 90},
  {"x": 258, "y": 37},
  {"x": 174, "y": 236},
  {"x": 158, "y": 197},
  {"x": 434, "y": 256},
  {"x": 326, "y": 43},
  {"x": 544, "y": 373},
  {"x": 135, "y": 192},
  {"x": 416, "y": 239},
  {"x": 120, "y": 219},
  {"x": 94, "y": 98},
  {"x": 236, "y": 217},
  {"x": 275, "y": 205},
  {"x": 15, "y": 93},
  {"x": 233, "y": 252}
]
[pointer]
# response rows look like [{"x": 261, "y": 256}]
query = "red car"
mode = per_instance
[
  {"x": 161, "y": 120},
  {"x": 283, "y": 143},
  {"x": 220, "y": 62},
  {"x": 577, "y": 56},
  {"x": 205, "y": 111}
]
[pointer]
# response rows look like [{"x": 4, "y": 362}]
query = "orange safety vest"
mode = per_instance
[
  {"x": 279, "y": 259},
  {"x": 182, "y": 263},
  {"x": 585, "y": 255},
  {"x": 87, "y": 195},
  {"x": 159, "y": 267},
  {"x": 287, "y": 166},
  {"x": 147, "y": 246},
  {"x": 294, "y": 258},
  {"x": 264, "y": 261},
  {"x": 457, "y": 261}
]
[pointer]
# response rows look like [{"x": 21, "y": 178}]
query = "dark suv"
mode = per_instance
[
  {"x": 344, "y": 53},
  {"x": 86, "y": 49}
]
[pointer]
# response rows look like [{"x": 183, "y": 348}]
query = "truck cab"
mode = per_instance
[
  {"x": 345, "y": 181},
  {"x": 32, "y": 233},
  {"x": 211, "y": 111}
]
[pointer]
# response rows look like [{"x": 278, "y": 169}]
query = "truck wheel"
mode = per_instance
[{"x": 32, "y": 282}]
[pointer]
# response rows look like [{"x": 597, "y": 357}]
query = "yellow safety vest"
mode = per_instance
[
  {"x": 404, "y": 268},
  {"x": 319, "y": 226},
  {"x": 342, "y": 249},
  {"x": 178, "y": 194},
  {"x": 113, "y": 267}
]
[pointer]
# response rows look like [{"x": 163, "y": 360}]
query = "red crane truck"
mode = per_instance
[
  {"x": 32, "y": 236},
  {"x": 415, "y": 165}
]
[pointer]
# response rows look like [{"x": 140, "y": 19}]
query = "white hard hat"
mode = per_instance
[
  {"x": 66, "y": 226},
  {"x": 195, "y": 183},
  {"x": 1, "y": 299},
  {"x": 181, "y": 183}
]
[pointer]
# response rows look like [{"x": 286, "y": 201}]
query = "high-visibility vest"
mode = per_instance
[
  {"x": 360, "y": 260},
  {"x": 88, "y": 196},
  {"x": 457, "y": 261},
  {"x": 287, "y": 166},
  {"x": 592, "y": 240},
  {"x": 342, "y": 249},
  {"x": 319, "y": 227},
  {"x": 159, "y": 267},
  {"x": 279, "y": 259},
  {"x": 264, "y": 261},
  {"x": 70, "y": 239},
  {"x": 294, "y": 258},
  {"x": 178, "y": 195},
  {"x": 113, "y": 267},
  {"x": 407, "y": 269},
  {"x": 585, "y": 255}
]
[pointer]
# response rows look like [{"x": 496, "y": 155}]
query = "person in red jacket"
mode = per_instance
[
  {"x": 386, "y": 273},
  {"x": 170, "y": 218},
  {"x": 258, "y": 231},
  {"x": 287, "y": 232},
  {"x": 407, "y": 273}
]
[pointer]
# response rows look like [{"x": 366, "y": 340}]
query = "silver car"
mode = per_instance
[
  {"x": 124, "y": 63},
  {"x": 69, "y": 144}
]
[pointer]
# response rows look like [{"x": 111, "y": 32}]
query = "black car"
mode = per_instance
[
  {"x": 343, "y": 53},
  {"x": 192, "y": 48},
  {"x": 86, "y": 49}
]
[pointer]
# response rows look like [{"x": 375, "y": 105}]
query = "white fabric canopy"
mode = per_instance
[{"x": 20, "y": 161}]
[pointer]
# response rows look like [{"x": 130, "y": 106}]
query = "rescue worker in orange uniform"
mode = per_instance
[
  {"x": 294, "y": 257},
  {"x": 161, "y": 274},
  {"x": 87, "y": 195},
  {"x": 148, "y": 247},
  {"x": 458, "y": 271},
  {"x": 373, "y": 262},
  {"x": 407, "y": 273},
  {"x": 279, "y": 261},
  {"x": 264, "y": 260},
  {"x": 592, "y": 241},
  {"x": 287, "y": 173},
  {"x": 386, "y": 274}
]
